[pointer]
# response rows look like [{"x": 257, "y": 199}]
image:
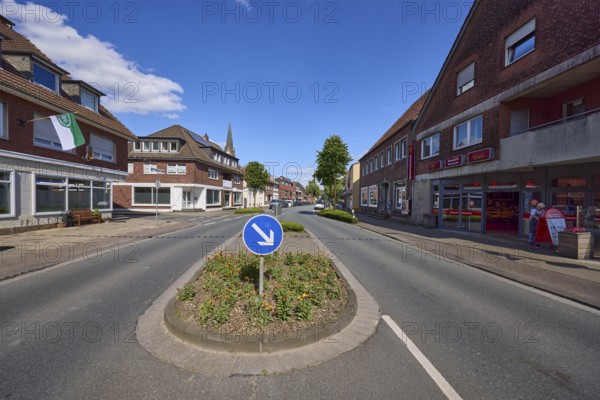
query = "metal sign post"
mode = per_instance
[{"x": 262, "y": 235}]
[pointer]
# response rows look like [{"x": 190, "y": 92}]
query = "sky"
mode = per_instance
[{"x": 285, "y": 74}]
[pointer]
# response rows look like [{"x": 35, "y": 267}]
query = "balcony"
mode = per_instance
[{"x": 560, "y": 142}]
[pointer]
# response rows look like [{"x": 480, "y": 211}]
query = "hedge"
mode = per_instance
[
  {"x": 248, "y": 211},
  {"x": 291, "y": 226},
  {"x": 339, "y": 215}
]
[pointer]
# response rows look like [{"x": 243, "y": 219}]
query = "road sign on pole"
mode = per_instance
[{"x": 262, "y": 235}]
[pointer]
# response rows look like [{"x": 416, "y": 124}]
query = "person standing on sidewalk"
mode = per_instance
[{"x": 534, "y": 218}]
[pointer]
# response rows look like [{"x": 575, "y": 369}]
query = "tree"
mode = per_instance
[
  {"x": 313, "y": 189},
  {"x": 338, "y": 193},
  {"x": 332, "y": 162},
  {"x": 256, "y": 177}
]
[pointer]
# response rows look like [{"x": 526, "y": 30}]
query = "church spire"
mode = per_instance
[{"x": 229, "y": 149}]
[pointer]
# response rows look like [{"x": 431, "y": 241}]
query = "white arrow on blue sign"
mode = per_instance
[{"x": 262, "y": 234}]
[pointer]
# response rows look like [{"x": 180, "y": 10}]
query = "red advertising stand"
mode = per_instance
[{"x": 551, "y": 222}]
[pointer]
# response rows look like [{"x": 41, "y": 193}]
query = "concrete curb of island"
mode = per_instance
[{"x": 155, "y": 337}]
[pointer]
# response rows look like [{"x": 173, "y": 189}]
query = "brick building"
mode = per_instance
[
  {"x": 194, "y": 173},
  {"x": 384, "y": 169},
  {"x": 513, "y": 117},
  {"x": 39, "y": 180}
]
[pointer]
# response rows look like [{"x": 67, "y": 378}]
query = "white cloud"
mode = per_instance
[
  {"x": 244, "y": 3},
  {"x": 128, "y": 88}
]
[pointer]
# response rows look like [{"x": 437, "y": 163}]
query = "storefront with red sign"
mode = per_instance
[{"x": 501, "y": 201}]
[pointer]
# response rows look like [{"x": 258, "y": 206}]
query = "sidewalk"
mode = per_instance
[
  {"x": 22, "y": 253},
  {"x": 577, "y": 280}
]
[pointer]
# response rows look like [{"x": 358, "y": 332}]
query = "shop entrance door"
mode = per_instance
[{"x": 502, "y": 212}]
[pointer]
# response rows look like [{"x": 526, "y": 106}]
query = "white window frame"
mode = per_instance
[
  {"x": 176, "y": 169},
  {"x": 149, "y": 167},
  {"x": 400, "y": 197},
  {"x": 364, "y": 195},
  {"x": 401, "y": 149},
  {"x": 153, "y": 196},
  {"x": 64, "y": 185},
  {"x": 470, "y": 141},
  {"x": 213, "y": 174},
  {"x": 465, "y": 79},
  {"x": 146, "y": 146},
  {"x": 516, "y": 38},
  {"x": 104, "y": 148},
  {"x": 173, "y": 147},
  {"x": 430, "y": 139},
  {"x": 155, "y": 144},
  {"x": 137, "y": 146},
  {"x": 213, "y": 204},
  {"x": 130, "y": 168},
  {"x": 11, "y": 196},
  {"x": 236, "y": 201},
  {"x": 388, "y": 154}
]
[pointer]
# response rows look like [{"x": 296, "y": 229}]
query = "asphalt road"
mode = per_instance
[{"x": 68, "y": 333}]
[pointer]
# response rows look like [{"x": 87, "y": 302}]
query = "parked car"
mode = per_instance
[
  {"x": 319, "y": 206},
  {"x": 274, "y": 203},
  {"x": 284, "y": 204},
  {"x": 290, "y": 203}
]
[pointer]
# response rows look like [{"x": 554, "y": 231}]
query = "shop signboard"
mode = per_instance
[
  {"x": 551, "y": 222},
  {"x": 454, "y": 161},
  {"x": 434, "y": 165},
  {"x": 481, "y": 155}
]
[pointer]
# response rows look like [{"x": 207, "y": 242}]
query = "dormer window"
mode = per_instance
[
  {"x": 45, "y": 77},
  {"x": 89, "y": 100}
]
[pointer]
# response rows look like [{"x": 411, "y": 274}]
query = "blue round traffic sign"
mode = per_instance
[{"x": 262, "y": 234}]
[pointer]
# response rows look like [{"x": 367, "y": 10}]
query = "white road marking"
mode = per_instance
[
  {"x": 228, "y": 219},
  {"x": 209, "y": 223},
  {"x": 193, "y": 219},
  {"x": 425, "y": 363}
]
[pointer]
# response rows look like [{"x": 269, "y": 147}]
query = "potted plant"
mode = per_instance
[
  {"x": 575, "y": 243},
  {"x": 97, "y": 215}
]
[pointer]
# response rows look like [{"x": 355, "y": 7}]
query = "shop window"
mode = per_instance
[
  {"x": 79, "y": 194},
  {"x": 567, "y": 202},
  {"x": 50, "y": 194},
  {"x": 7, "y": 195},
  {"x": 213, "y": 197},
  {"x": 569, "y": 182},
  {"x": 533, "y": 184},
  {"x": 148, "y": 196},
  {"x": 364, "y": 196},
  {"x": 373, "y": 196},
  {"x": 101, "y": 195},
  {"x": 401, "y": 200},
  {"x": 520, "y": 43},
  {"x": 237, "y": 198}
]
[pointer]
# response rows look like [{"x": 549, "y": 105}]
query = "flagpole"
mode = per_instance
[{"x": 37, "y": 119}]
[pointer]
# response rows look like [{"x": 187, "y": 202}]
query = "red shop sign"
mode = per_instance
[
  {"x": 434, "y": 165},
  {"x": 454, "y": 161},
  {"x": 411, "y": 163},
  {"x": 480, "y": 155}
]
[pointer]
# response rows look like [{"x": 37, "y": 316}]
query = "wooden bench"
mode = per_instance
[{"x": 83, "y": 215}]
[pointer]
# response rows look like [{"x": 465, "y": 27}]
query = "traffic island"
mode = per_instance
[{"x": 162, "y": 332}]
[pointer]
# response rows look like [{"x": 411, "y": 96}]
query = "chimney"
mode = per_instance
[{"x": 206, "y": 136}]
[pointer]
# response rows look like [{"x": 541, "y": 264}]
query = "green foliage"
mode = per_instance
[
  {"x": 187, "y": 293},
  {"x": 292, "y": 226},
  {"x": 332, "y": 162},
  {"x": 97, "y": 214},
  {"x": 304, "y": 310},
  {"x": 253, "y": 210},
  {"x": 313, "y": 189},
  {"x": 294, "y": 285},
  {"x": 283, "y": 304},
  {"x": 338, "y": 215}
]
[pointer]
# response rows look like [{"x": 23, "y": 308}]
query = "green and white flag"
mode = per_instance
[{"x": 67, "y": 130}]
